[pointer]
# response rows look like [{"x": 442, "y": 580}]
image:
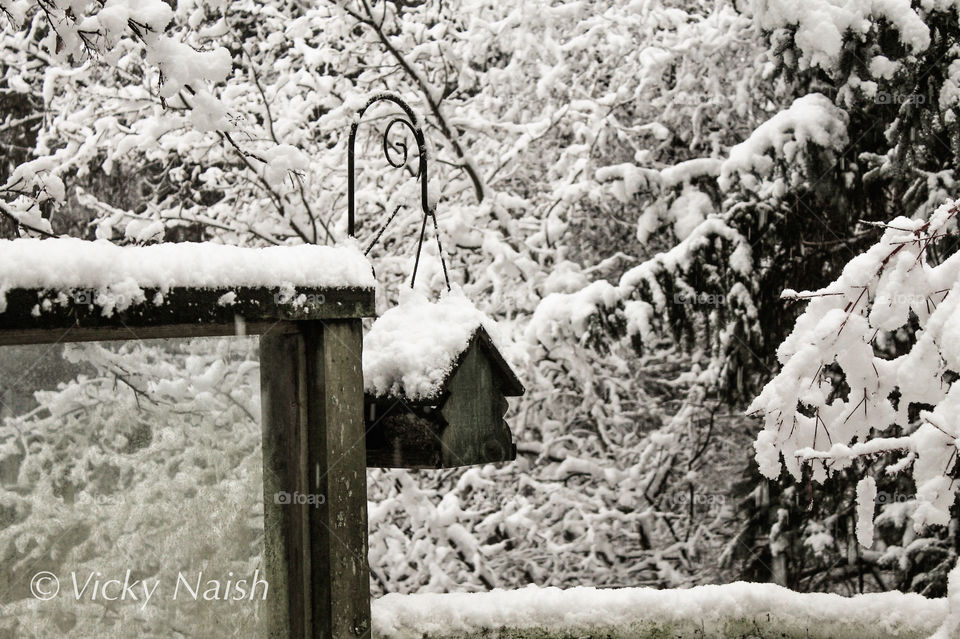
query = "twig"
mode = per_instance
[{"x": 432, "y": 102}]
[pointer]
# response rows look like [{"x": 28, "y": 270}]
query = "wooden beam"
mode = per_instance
[
  {"x": 314, "y": 452},
  {"x": 35, "y": 316},
  {"x": 127, "y": 333}
]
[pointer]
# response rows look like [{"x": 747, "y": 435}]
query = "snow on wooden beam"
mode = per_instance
[
  {"x": 41, "y": 316},
  {"x": 73, "y": 290}
]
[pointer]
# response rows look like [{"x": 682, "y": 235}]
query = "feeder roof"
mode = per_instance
[{"x": 413, "y": 349}]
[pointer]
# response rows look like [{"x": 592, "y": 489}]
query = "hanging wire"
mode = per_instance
[
  {"x": 382, "y": 229},
  {"x": 408, "y": 120}
]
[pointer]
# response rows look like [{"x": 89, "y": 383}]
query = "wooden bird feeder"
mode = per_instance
[
  {"x": 458, "y": 419},
  {"x": 460, "y": 424}
]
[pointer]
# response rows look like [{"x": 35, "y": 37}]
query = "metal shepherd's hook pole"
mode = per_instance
[{"x": 400, "y": 148}]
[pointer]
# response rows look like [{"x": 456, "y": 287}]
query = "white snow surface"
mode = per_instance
[
  {"x": 689, "y": 210},
  {"x": 104, "y": 267},
  {"x": 411, "y": 349},
  {"x": 402, "y": 616}
]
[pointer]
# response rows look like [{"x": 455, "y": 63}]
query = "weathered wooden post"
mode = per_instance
[{"x": 314, "y": 452}]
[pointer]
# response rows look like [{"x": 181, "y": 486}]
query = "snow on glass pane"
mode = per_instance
[{"x": 131, "y": 489}]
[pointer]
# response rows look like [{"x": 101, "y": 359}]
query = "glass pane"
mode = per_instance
[{"x": 131, "y": 489}]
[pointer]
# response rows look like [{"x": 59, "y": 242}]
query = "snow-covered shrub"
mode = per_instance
[{"x": 868, "y": 374}]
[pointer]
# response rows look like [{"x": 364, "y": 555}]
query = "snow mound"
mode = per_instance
[
  {"x": 823, "y": 26},
  {"x": 737, "y": 609},
  {"x": 412, "y": 348}
]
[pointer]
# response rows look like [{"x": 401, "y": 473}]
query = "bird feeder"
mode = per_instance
[
  {"x": 435, "y": 382},
  {"x": 436, "y": 388}
]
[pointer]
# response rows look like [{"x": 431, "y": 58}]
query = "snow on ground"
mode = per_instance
[
  {"x": 733, "y": 610},
  {"x": 411, "y": 349},
  {"x": 100, "y": 266}
]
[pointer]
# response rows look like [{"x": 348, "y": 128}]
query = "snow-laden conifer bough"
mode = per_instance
[{"x": 840, "y": 400}]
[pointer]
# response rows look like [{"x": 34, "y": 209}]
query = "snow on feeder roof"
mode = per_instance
[
  {"x": 435, "y": 386},
  {"x": 414, "y": 348}
]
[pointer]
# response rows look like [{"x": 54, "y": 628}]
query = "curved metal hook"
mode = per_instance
[
  {"x": 399, "y": 147},
  {"x": 399, "y": 144},
  {"x": 411, "y": 123}
]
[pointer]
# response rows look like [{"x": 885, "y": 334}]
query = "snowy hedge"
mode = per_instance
[{"x": 742, "y": 610}]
